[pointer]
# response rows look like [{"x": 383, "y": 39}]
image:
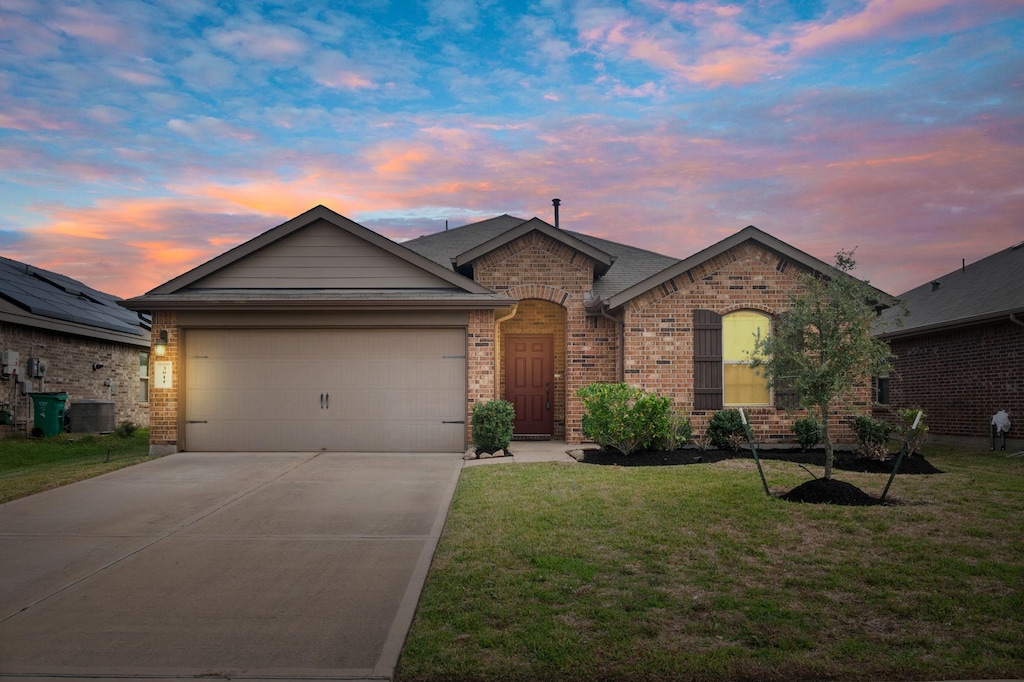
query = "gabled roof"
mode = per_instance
[
  {"x": 749, "y": 233},
  {"x": 989, "y": 289},
  {"x": 626, "y": 265},
  {"x": 299, "y": 222},
  {"x": 602, "y": 261},
  {"x": 225, "y": 280},
  {"x": 39, "y": 298}
]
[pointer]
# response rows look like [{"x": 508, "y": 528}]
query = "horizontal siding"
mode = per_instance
[{"x": 322, "y": 256}]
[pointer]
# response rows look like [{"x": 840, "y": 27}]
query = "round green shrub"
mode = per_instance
[
  {"x": 725, "y": 429},
  {"x": 492, "y": 423}
]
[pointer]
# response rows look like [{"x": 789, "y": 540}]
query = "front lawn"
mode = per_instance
[
  {"x": 584, "y": 572},
  {"x": 31, "y": 465}
]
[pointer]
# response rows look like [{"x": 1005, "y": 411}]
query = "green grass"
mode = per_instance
[
  {"x": 29, "y": 466},
  {"x": 579, "y": 572}
]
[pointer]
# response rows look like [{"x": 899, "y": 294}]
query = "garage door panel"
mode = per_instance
[{"x": 319, "y": 389}]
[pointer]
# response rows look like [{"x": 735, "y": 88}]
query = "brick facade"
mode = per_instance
[
  {"x": 961, "y": 377},
  {"x": 69, "y": 369},
  {"x": 163, "y": 402},
  {"x": 659, "y": 332},
  {"x": 541, "y": 272}
]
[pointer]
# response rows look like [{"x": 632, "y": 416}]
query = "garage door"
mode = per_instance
[{"x": 346, "y": 390}]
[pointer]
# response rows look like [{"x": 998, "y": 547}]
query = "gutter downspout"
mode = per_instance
[
  {"x": 497, "y": 347},
  {"x": 621, "y": 324},
  {"x": 1017, "y": 321}
]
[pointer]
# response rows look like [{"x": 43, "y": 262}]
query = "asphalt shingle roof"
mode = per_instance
[
  {"x": 632, "y": 265},
  {"x": 987, "y": 289}
]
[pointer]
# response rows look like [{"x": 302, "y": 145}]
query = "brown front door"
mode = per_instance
[{"x": 529, "y": 380}]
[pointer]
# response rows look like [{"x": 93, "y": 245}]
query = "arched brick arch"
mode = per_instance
[
  {"x": 543, "y": 292},
  {"x": 756, "y": 307},
  {"x": 538, "y": 315}
]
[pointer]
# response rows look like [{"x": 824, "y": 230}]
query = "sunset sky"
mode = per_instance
[{"x": 141, "y": 138}]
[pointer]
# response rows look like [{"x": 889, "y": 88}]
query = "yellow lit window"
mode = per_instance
[{"x": 743, "y": 385}]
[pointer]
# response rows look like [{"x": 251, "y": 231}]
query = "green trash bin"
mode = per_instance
[{"x": 49, "y": 413}]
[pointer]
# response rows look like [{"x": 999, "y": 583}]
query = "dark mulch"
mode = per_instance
[
  {"x": 830, "y": 491},
  {"x": 816, "y": 491},
  {"x": 844, "y": 461}
]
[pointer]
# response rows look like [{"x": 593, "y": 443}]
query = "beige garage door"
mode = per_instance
[{"x": 346, "y": 390}]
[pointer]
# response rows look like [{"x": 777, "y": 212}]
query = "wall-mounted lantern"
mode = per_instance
[{"x": 160, "y": 345}]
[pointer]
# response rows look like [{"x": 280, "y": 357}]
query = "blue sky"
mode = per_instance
[{"x": 139, "y": 139}]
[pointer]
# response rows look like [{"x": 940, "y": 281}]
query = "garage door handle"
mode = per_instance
[
  {"x": 321, "y": 401},
  {"x": 196, "y": 421},
  {"x": 328, "y": 395}
]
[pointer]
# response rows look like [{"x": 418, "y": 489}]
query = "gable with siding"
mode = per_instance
[{"x": 322, "y": 256}]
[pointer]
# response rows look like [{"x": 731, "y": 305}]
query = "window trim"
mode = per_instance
[{"x": 725, "y": 386}]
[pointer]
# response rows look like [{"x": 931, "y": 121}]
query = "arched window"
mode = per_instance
[{"x": 742, "y": 384}]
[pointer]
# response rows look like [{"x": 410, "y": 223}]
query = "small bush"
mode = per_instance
[
  {"x": 919, "y": 436},
  {"x": 872, "y": 437},
  {"x": 725, "y": 429},
  {"x": 126, "y": 428},
  {"x": 624, "y": 418},
  {"x": 679, "y": 431},
  {"x": 492, "y": 424},
  {"x": 808, "y": 432}
]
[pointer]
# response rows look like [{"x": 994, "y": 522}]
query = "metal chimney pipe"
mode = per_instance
[{"x": 555, "y": 203}]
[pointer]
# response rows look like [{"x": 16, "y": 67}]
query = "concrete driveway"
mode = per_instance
[{"x": 242, "y": 565}]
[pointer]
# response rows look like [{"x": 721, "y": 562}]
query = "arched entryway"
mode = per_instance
[{"x": 531, "y": 368}]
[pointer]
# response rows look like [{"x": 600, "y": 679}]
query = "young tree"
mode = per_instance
[{"x": 822, "y": 348}]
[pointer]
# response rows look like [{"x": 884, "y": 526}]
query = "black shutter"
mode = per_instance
[{"x": 707, "y": 360}]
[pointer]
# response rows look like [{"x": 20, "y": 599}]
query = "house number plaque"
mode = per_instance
[{"x": 164, "y": 377}]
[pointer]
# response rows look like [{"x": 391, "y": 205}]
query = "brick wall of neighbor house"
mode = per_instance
[
  {"x": 69, "y": 369},
  {"x": 962, "y": 377},
  {"x": 540, "y": 268},
  {"x": 163, "y": 402},
  {"x": 659, "y": 332}
]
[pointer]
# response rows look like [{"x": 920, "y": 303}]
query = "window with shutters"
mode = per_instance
[{"x": 742, "y": 384}]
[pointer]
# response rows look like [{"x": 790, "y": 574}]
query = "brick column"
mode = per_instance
[{"x": 163, "y": 402}]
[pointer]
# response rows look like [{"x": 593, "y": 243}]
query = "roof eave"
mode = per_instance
[{"x": 949, "y": 325}]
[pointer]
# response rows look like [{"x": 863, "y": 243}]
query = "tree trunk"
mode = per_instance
[{"x": 826, "y": 437}]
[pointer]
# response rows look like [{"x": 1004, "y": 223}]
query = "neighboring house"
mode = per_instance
[
  {"x": 323, "y": 335},
  {"x": 58, "y": 335},
  {"x": 960, "y": 351}
]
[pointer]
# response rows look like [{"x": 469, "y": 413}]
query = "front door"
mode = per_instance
[{"x": 529, "y": 381}]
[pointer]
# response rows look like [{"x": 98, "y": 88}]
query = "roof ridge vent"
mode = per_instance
[{"x": 936, "y": 284}]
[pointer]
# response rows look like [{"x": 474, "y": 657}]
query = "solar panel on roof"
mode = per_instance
[{"x": 49, "y": 294}]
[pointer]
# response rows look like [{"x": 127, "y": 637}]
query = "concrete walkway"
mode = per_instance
[
  {"x": 526, "y": 451},
  {"x": 235, "y": 565}
]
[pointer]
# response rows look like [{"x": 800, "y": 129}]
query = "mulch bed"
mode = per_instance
[{"x": 817, "y": 491}]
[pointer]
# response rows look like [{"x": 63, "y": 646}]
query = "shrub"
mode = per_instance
[
  {"x": 492, "y": 424},
  {"x": 725, "y": 429},
  {"x": 808, "y": 432},
  {"x": 126, "y": 428},
  {"x": 919, "y": 436},
  {"x": 679, "y": 432},
  {"x": 872, "y": 437},
  {"x": 624, "y": 418}
]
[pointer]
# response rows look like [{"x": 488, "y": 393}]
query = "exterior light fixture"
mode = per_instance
[{"x": 160, "y": 345}]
